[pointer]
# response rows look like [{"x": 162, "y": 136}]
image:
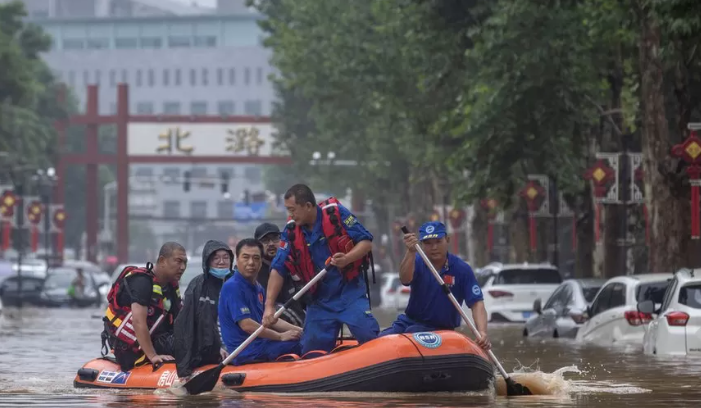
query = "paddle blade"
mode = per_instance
[
  {"x": 514, "y": 388},
  {"x": 204, "y": 381}
]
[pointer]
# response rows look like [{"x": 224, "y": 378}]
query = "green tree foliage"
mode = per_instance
[{"x": 424, "y": 90}]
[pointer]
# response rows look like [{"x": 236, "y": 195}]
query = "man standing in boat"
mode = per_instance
[
  {"x": 142, "y": 306},
  {"x": 241, "y": 311},
  {"x": 269, "y": 235},
  {"x": 429, "y": 308},
  {"x": 314, "y": 234}
]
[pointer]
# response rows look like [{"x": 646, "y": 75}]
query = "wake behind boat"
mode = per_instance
[{"x": 441, "y": 361}]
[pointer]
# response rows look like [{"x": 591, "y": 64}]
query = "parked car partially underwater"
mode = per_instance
[{"x": 565, "y": 310}]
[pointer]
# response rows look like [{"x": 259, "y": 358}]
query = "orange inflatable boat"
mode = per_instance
[{"x": 419, "y": 362}]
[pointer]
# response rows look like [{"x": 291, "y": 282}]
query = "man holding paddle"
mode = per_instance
[
  {"x": 317, "y": 233},
  {"x": 241, "y": 311},
  {"x": 428, "y": 308}
]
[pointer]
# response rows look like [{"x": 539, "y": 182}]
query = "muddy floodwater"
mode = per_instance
[{"x": 41, "y": 350}]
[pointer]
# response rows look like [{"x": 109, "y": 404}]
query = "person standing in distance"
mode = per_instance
[{"x": 429, "y": 308}]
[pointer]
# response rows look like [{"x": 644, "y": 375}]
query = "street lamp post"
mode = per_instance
[
  {"x": 330, "y": 156},
  {"x": 45, "y": 181}
]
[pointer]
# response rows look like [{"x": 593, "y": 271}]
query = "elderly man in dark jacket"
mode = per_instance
[{"x": 197, "y": 335}]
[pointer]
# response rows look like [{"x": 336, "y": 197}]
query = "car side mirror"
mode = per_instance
[
  {"x": 537, "y": 306},
  {"x": 646, "y": 306},
  {"x": 587, "y": 312}
]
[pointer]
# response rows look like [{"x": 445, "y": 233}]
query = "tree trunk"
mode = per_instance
[
  {"x": 478, "y": 234},
  {"x": 668, "y": 208},
  {"x": 520, "y": 236}
]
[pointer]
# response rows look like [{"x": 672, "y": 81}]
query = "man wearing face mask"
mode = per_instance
[
  {"x": 197, "y": 335},
  {"x": 269, "y": 235}
]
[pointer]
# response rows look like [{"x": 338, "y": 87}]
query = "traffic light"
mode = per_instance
[
  {"x": 246, "y": 197},
  {"x": 186, "y": 181},
  {"x": 225, "y": 182}
]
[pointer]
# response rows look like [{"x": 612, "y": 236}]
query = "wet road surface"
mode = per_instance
[{"x": 41, "y": 350}]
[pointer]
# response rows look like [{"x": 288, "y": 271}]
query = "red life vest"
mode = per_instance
[
  {"x": 118, "y": 318},
  {"x": 299, "y": 262}
]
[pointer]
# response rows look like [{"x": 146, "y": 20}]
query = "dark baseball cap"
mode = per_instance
[{"x": 264, "y": 229}]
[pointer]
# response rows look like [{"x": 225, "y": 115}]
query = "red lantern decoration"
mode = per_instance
[
  {"x": 435, "y": 216},
  {"x": 690, "y": 152},
  {"x": 60, "y": 219},
  {"x": 533, "y": 193},
  {"x": 600, "y": 174}
]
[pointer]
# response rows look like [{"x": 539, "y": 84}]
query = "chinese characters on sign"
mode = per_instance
[
  {"x": 244, "y": 139},
  {"x": 241, "y": 140},
  {"x": 178, "y": 135}
]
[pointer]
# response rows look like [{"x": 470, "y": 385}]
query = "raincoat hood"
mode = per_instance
[{"x": 210, "y": 248}]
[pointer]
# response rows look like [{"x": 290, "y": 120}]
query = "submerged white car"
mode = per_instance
[
  {"x": 509, "y": 290},
  {"x": 613, "y": 316},
  {"x": 675, "y": 328}
]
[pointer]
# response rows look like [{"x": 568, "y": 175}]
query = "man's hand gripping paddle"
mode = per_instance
[
  {"x": 206, "y": 380},
  {"x": 512, "y": 387}
]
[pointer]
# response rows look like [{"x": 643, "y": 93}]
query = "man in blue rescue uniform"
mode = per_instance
[
  {"x": 429, "y": 308},
  {"x": 241, "y": 311},
  {"x": 315, "y": 233}
]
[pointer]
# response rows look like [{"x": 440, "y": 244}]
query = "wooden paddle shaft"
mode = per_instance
[
  {"x": 279, "y": 312},
  {"x": 457, "y": 305}
]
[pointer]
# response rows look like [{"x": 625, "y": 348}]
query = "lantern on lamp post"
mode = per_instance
[
  {"x": 490, "y": 206},
  {"x": 601, "y": 174},
  {"x": 690, "y": 152},
  {"x": 535, "y": 196}
]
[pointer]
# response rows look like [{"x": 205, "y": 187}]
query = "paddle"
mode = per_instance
[
  {"x": 512, "y": 387},
  {"x": 206, "y": 380}
]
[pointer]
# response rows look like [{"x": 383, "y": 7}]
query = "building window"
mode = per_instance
[
  {"x": 151, "y": 42},
  {"x": 151, "y": 78},
  {"x": 171, "y": 108},
  {"x": 252, "y": 174},
  {"x": 226, "y": 108},
  {"x": 193, "y": 77},
  {"x": 73, "y": 44},
  {"x": 232, "y": 76},
  {"x": 205, "y": 41},
  {"x": 231, "y": 171},
  {"x": 198, "y": 172},
  {"x": 179, "y": 42},
  {"x": 113, "y": 77},
  {"x": 259, "y": 76},
  {"x": 225, "y": 209},
  {"x": 171, "y": 209},
  {"x": 198, "y": 209},
  {"x": 98, "y": 43},
  {"x": 166, "y": 77},
  {"x": 198, "y": 108},
  {"x": 205, "y": 76},
  {"x": 177, "y": 77},
  {"x": 71, "y": 78},
  {"x": 138, "y": 77},
  {"x": 144, "y": 108},
  {"x": 171, "y": 175},
  {"x": 220, "y": 76},
  {"x": 247, "y": 76},
  {"x": 253, "y": 108},
  {"x": 125, "y": 76},
  {"x": 86, "y": 78},
  {"x": 126, "y": 43},
  {"x": 98, "y": 75}
]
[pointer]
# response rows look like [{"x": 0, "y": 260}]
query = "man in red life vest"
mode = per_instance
[
  {"x": 315, "y": 233},
  {"x": 142, "y": 306}
]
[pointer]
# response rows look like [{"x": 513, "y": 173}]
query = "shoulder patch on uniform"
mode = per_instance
[
  {"x": 245, "y": 310},
  {"x": 350, "y": 221},
  {"x": 476, "y": 290}
]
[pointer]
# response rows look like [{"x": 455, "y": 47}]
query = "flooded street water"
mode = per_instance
[{"x": 41, "y": 350}]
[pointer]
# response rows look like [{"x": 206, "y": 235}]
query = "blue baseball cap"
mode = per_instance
[{"x": 432, "y": 230}]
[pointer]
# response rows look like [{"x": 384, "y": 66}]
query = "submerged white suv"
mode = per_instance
[
  {"x": 509, "y": 290},
  {"x": 676, "y": 326}
]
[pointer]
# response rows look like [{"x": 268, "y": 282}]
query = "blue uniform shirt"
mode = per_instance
[
  {"x": 333, "y": 291},
  {"x": 429, "y": 304},
  {"x": 239, "y": 299}
]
